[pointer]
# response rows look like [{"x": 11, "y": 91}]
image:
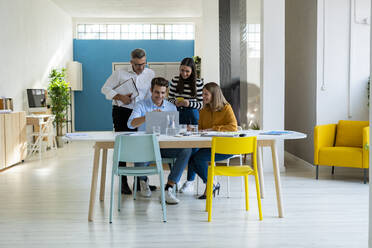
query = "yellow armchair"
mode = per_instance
[{"x": 344, "y": 144}]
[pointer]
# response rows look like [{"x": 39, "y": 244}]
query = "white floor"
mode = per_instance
[{"x": 44, "y": 203}]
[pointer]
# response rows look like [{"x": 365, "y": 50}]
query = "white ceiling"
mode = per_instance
[{"x": 131, "y": 8}]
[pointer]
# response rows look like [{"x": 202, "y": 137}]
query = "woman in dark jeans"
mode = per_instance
[{"x": 186, "y": 92}]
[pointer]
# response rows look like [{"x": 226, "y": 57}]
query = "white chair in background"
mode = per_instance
[{"x": 46, "y": 131}]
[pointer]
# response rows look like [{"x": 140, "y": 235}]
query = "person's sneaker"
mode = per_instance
[
  {"x": 170, "y": 198},
  {"x": 152, "y": 187},
  {"x": 145, "y": 188},
  {"x": 187, "y": 187}
]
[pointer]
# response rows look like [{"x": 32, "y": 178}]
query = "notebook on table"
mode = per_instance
[{"x": 160, "y": 119}]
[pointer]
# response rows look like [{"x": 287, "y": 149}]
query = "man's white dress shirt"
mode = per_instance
[{"x": 143, "y": 84}]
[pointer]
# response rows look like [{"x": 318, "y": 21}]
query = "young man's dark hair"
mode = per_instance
[{"x": 159, "y": 81}]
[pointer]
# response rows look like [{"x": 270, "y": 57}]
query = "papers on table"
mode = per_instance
[
  {"x": 220, "y": 134},
  {"x": 127, "y": 87},
  {"x": 275, "y": 132}
]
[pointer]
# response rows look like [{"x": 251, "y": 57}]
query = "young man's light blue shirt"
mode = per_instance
[{"x": 147, "y": 105}]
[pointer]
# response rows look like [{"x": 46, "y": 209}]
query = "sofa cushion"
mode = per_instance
[
  {"x": 341, "y": 156},
  {"x": 350, "y": 133}
]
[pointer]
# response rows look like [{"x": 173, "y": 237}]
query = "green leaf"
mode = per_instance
[{"x": 59, "y": 94}]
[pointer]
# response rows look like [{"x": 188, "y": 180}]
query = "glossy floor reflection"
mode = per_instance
[{"x": 44, "y": 203}]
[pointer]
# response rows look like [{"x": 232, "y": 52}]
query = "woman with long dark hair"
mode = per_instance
[{"x": 186, "y": 92}]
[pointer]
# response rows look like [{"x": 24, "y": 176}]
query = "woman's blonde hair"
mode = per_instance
[{"x": 218, "y": 101}]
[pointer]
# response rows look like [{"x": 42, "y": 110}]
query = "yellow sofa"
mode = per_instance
[{"x": 344, "y": 144}]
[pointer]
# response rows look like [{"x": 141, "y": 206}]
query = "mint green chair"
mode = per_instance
[{"x": 136, "y": 149}]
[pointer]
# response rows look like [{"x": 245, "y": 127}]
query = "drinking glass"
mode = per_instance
[
  {"x": 182, "y": 128},
  {"x": 170, "y": 131},
  {"x": 194, "y": 128},
  {"x": 156, "y": 130}
]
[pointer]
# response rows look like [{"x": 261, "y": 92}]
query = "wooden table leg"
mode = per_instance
[
  {"x": 277, "y": 178},
  {"x": 260, "y": 171},
  {"x": 93, "y": 187},
  {"x": 103, "y": 175}
]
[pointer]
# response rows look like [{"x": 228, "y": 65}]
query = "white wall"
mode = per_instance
[
  {"x": 35, "y": 37},
  {"x": 360, "y": 60},
  {"x": 272, "y": 69},
  {"x": 337, "y": 99},
  {"x": 334, "y": 98},
  {"x": 210, "y": 42}
]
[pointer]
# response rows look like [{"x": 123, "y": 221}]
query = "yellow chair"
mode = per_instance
[
  {"x": 344, "y": 144},
  {"x": 229, "y": 145}
]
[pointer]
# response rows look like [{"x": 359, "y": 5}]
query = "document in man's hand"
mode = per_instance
[{"x": 127, "y": 87}]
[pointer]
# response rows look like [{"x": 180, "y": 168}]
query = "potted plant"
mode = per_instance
[
  {"x": 59, "y": 94},
  {"x": 197, "y": 61}
]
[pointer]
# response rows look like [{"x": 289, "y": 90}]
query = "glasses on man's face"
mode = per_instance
[{"x": 140, "y": 65}]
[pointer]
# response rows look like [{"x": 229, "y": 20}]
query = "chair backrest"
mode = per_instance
[
  {"x": 350, "y": 133},
  {"x": 46, "y": 127},
  {"x": 50, "y": 124},
  {"x": 136, "y": 148},
  {"x": 234, "y": 145}
]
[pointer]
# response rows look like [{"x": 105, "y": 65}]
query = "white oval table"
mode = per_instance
[{"x": 104, "y": 140}]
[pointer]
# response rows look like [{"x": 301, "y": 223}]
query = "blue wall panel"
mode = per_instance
[{"x": 92, "y": 110}]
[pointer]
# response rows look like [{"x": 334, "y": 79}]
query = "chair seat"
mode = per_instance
[
  {"x": 341, "y": 156},
  {"x": 138, "y": 171},
  {"x": 233, "y": 171}
]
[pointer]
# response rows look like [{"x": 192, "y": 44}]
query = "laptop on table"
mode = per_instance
[{"x": 160, "y": 119}]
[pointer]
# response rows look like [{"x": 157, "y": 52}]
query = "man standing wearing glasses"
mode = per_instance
[{"x": 122, "y": 105}]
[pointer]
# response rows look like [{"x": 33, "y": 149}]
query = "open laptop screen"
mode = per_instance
[{"x": 160, "y": 119}]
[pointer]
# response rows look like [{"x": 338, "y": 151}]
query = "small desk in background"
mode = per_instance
[{"x": 35, "y": 120}]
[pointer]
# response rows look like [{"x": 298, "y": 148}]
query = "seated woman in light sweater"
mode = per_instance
[{"x": 216, "y": 115}]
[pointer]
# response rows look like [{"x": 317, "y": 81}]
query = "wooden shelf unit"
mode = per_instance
[{"x": 13, "y": 140}]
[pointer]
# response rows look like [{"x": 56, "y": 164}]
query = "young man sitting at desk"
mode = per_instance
[{"x": 137, "y": 120}]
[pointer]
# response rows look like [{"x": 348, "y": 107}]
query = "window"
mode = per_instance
[
  {"x": 253, "y": 40},
  {"x": 136, "y": 31}
]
